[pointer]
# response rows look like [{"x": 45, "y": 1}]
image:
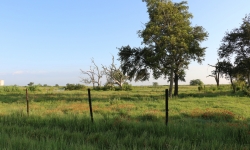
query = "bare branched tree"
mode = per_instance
[
  {"x": 94, "y": 74},
  {"x": 217, "y": 73},
  {"x": 114, "y": 74}
]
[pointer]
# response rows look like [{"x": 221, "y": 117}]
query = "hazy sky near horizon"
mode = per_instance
[{"x": 48, "y": 42}]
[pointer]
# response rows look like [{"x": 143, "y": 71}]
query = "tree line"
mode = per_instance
[
  {"x": 170, "y": 43},
  {"x": 234, "y": 56}
]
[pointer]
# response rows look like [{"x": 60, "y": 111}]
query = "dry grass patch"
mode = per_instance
[
  {"x": 212, "y": 114},
  {"x": 126, "y": 107}
]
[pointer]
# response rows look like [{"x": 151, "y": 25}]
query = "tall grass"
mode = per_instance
[
  {"x": 210, "y": 119},
  {"x": 75, "y": 132}
]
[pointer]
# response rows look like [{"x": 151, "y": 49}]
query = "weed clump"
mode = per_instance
[
  {"x": 10, "y": 89},
  {"x": 33, "y": 88}
]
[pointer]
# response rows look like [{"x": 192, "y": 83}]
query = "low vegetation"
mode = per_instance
[
  {"x": 196, "y": 82},
  {"x": 71, "y": 87},
  {"x": 215, "y": 118}
]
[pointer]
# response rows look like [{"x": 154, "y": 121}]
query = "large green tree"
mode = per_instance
[
  {"x": 170, "y": 44},
  {"x": 237, "y": 43},
  {"x": 227, "y": 70}
]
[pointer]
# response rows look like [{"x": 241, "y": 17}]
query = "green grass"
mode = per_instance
[{"x": 210, "y": 119}]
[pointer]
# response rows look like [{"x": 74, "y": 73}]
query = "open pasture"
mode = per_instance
[{"x": 209, "y": 119}]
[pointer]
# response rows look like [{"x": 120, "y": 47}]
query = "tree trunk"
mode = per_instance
[
  {"x": 99, "y": 83},
  {"x": 217, "y": 79},
  {"x": 171, "y": 83},
  {"x": 217, "y": 82},
  {"x": 231, "y": 80},
  {"x": 120, "y": 85},
  {"x": 176, "y": 78},
  {"x": 248, "y": 80},
  {"x": 232, "y": 84}
]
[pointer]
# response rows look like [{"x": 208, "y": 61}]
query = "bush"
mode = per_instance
[
  {"x": 74, "y": 87},
  {"x": 155, "y": 84},
  {"x": 246, "y": 92},
  {"x": 108, "y": 87},
  {"x": 31, "y": 84},
  {"x": 126, "y": 87},
  {"x": 196, "y": 82},
  {"x": 33, "y": 88},
  {"x": 212, "y": 88},
  {"x": 200, "y": 88},
  {"x": 97, "y": 88},
  {"x": 112, "y": 87}
]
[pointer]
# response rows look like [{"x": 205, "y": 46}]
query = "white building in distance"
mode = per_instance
[{"x": 1, "y": 82}]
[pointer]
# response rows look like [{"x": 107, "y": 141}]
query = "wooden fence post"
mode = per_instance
[
  {"x": 90, "y": 106},
  {"x": 27, "y": 100},
  {"x": 166, "y": 104}
]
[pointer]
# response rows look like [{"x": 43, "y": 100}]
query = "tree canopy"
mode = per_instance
[
  {"x": 237, "y": 43},
  {"x": 170, "y": 44},
  {"x": 196, "y": 82}
]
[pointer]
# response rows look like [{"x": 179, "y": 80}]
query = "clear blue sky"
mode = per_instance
[{"x": 49, "y": 41}]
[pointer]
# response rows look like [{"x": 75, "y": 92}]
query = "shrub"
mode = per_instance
[
  {"x": 200, "y": 88},
  {"x": 33, "y": 88},
  {"x": 155, "y": 84},
  {"x": 97, "y": 88},
  {"x": 74, "y": 87},
  {"x": 239, "y": 85},
  {"x": 31, "y": 84},
  {"x": 246, "y": 92},
  {"x": 108, "y": 87},
  {"x": 196, "y": 82},
  {"x": 111, "y": 87},
  {"x": 212, "y": 88},
  {"x": 6, "y": 89},
  {"x": 126, "y": 87}
]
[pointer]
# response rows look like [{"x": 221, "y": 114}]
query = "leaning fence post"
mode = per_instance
[
  {"x": 166, "y": 104},
  {"x": 90, "y": 106},
  {"x": 27, "y": 100}
]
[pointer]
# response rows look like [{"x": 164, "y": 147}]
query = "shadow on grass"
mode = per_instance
[
  {"x": 145, "y": 131},
  {"x": 21, "y": 97},
  {"x": 14, "y": 97},
  {"x": 83, "y": 96},
  {"x": 212, "y": 94},
  {"x": 39, "y": 97}
]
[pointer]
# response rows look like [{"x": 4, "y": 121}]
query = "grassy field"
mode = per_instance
[{"x": 209, "y": 119}]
